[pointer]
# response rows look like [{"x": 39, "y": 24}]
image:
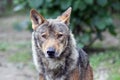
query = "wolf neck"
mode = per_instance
[{"x": 58, "y": 68}]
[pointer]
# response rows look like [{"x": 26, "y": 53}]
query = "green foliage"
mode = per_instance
[
  {"x": 109, "y": 60},
  {"x": 23, "y": 53},
  {"x": 35, "y": 3},
  {"x": 5, "y": 7},
  {"x": 88, "y": 17},
  {"x": 23, "y": 56},
  {"x": 3, "y": 46}
]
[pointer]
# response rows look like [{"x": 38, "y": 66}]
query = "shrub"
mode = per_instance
[{"x": 88, "y": 20}]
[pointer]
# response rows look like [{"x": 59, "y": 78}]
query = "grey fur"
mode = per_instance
[{"x": 70, "y": 58}]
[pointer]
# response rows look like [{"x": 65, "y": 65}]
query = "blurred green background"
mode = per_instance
[{"x": 95, "y": 24}]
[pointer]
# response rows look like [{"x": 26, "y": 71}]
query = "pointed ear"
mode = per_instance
[
  {"x": 36, "y": 19},
  {"x": 65, "y": 17}
]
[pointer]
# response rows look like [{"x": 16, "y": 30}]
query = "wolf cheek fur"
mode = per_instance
[{"x": 64, "y": 61}]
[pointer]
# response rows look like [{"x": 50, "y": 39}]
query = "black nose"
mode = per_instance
[{"x": 51, "y": 52}]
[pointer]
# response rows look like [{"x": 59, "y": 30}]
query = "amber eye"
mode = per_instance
[
  {"x": 44, "y": 35},
  {"x": 59, "y": 35}
]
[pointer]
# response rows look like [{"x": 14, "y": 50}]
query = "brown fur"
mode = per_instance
[
  {"x": 76, "y": 74},
  {"x": 41, "y": 77},
  {"x": 89, "y": 73}
]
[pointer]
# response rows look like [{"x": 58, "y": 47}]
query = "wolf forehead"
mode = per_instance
[{"x": 53, "y": 25}]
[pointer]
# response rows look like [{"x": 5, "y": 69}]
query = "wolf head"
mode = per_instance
[{"x": 51, "y": 34}]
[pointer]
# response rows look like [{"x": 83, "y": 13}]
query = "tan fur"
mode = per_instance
[
  {"x": 41, "y": 77},
  {"x": 65, "y": 17},
  {"x": 52, "y": 43},
  {"x": 89, "y": 73},
  {"x": 76, "y": 74}
]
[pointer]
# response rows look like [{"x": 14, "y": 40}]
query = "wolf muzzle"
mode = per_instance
[{"x": 51, "y": 52}]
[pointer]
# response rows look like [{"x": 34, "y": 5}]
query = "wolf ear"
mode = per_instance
[
  {"x": 36, "y": 19},
  {"x": 65, "y": 17}
]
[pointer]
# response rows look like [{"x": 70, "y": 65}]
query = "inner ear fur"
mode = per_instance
[
  {"x": 65, "y": 17},
  {"x": 36, "y": 19}
]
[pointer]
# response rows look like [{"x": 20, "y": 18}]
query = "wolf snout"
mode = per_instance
[{"x": 51, "y": 52}]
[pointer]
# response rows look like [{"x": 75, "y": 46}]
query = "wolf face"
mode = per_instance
[{"x": 51, "y": 34}]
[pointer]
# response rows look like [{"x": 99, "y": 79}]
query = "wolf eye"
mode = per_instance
[
  {"x": 59, "y": 35},
  {"x": 44, "y": 36}
]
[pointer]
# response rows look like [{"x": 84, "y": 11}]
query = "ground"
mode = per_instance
[
  {"x": 15, "y": 51},
  {"x": 16, "y": 56}
]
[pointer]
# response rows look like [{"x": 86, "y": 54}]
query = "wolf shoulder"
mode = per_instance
[{"x": 83, "y": 58}]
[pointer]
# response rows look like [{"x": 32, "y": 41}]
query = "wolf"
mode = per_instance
[{"x": 55, "y": 53}]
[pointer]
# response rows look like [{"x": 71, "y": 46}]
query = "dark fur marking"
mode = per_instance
[
  {"x": 35, "y": 18},
  {"x": 83, "y": 62},
  {"x": 38, "y": 54}
]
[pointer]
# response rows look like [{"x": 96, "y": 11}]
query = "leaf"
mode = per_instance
[
  {"x": 79, "y": 4},
  {"x": 102, "y": 2},
  {"x": 64, "y": 4},
  {"x": 35, "y": 3},
  {"x": 79, "y": 41},
  {"x": 116, "y": 6},
  {"x": 80, "y": 45},
  {"x": 96, "y": 14},
  {"x": 89, "y": 1},
  {"x": 76, "y": 4},
  {"x": 112, "y": 30},
  {"x": 82, "y": 5},
  {"x": 48, "y": 1},
  {"x": 85, "y": 38},
  {"x": 108, "y": 21},
  {"x": 99, "y": 23},
  {"x": 54, "y": 14}
]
